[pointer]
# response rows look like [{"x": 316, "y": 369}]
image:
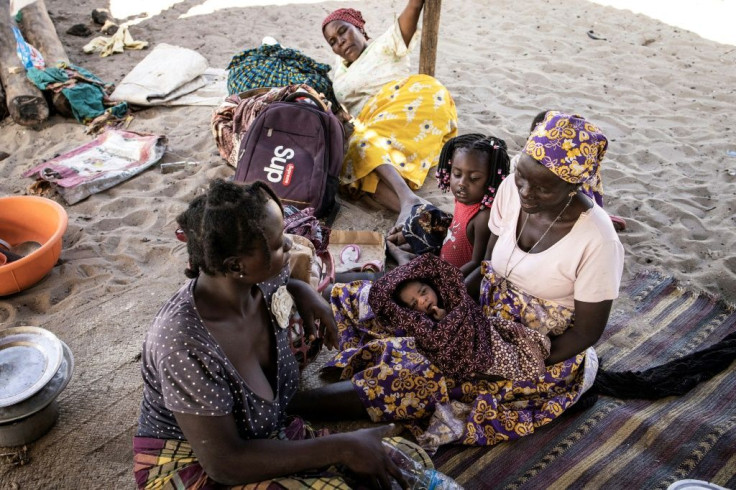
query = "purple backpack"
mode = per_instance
[{"x": 297, "y": 148}]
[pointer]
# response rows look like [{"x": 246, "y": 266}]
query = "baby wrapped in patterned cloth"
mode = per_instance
[{"x": 427, "y": 298}]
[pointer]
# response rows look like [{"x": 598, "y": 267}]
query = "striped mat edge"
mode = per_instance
[{"x": 631, "y": 444}]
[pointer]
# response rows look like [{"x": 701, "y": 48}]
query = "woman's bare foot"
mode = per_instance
[
  {"x": 395, "y": 194},
  {"x": 396, "y": 236},
  {"x": 406, "y": 208},
  {"x": 399, "y": 255}
]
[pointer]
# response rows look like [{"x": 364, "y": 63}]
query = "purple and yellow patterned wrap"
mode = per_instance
[{"x": 572, "y": 148}]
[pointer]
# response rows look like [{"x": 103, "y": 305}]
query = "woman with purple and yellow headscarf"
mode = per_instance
[
  {"x": 553, "y": 257},
  {"x": 400, "y": 120},
  {"x": 553, "y": 263}
]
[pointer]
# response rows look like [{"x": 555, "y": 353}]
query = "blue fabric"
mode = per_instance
[
  {"x": 43, "y": 78},
  {"x": 426, "y": 228},
  {"x": 29, "y": 56}
]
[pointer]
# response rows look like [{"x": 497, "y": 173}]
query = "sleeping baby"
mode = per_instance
[{"x": 428, "y": 300}]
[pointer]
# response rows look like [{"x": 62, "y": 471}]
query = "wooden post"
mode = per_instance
[
  {"x": 430, "y": 33},
  {"x": 38, "y": 29},
  {"x": 25, "y": 101}
]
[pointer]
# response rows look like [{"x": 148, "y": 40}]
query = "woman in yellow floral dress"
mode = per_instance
[
  {"x": 400, "y": 120},
  {"x": 554, "y": 263}
]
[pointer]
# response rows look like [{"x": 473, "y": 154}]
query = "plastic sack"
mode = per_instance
[
  {"x": 111, "y": 158},
  {"x": 28, "y": 55}
]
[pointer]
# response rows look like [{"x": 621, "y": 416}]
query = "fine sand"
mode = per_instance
[{"x": 664, "y": 96}]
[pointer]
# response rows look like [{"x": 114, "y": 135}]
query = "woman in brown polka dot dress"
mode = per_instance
[{"x": 218, "y": 371}]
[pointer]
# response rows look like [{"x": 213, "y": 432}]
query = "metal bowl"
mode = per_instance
[
  {"x": 29, "y": 358},
  {"x": 28, "y": 420}
]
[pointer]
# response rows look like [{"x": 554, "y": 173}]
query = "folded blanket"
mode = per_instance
[{"x": 465, "y": 343}]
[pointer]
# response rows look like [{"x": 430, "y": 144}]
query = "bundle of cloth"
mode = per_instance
[
  {"x": 271, "y": 65},
  {"x": 88, "y": 96},
  {"x": 465, "y": 343}
]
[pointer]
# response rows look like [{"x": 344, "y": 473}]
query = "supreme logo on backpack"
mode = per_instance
[{"x": 297, "y": 148}]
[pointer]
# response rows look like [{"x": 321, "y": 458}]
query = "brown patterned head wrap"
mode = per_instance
[
  {"x": 571, "y": 147},
  {"x": 351, "y": 16}
]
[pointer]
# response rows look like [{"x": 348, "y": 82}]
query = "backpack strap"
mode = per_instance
[{"x": 297, "y": 95}]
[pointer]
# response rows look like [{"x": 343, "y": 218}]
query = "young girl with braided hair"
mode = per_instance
[{"x": 471, "y": 166}]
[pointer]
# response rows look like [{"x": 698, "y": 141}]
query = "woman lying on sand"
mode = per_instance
[
  {"x": 555, "y": 261},
  {"x": 400, "y": 120},
  {"x": 218, "y": 371}
]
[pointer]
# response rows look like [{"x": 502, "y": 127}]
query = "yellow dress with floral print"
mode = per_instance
[{"x": 404, "y": 125}]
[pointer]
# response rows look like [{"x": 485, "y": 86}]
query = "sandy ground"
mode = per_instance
[{"x": 664, "y": 96}]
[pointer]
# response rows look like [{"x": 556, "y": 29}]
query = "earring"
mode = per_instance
[
  {"x": 241, "y": 275},
  {"x": 573, "y": 192}
]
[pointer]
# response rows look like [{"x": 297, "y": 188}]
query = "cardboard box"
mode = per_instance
[{"x": 372, "y": 248}]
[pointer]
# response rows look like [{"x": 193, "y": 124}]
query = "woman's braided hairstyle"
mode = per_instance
[
  {"x": 498, "y": 161},
  {"x": 225, "y": 222}
]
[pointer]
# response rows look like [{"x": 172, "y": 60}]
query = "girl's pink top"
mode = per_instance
[{"x": 457, "y": 249}]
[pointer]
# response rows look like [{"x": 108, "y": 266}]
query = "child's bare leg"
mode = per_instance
[
  {"x": 357, "y": 276},
  {"x": 327, "y": 292},
  {"x": 345, "y": 277}
]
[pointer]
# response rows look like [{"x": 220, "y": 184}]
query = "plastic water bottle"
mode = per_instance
[{"x": 417, "y": 476}]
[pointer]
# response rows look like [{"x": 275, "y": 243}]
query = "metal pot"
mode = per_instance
[{"x": 30, "y": 428}]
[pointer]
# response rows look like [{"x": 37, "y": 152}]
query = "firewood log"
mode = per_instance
[
  {"x": 38, "y": 29},
  {"x": 25, "y": 101},
  {"x": 3, "y": 105}
]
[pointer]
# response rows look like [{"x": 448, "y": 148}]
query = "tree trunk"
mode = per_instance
[
  {"x": 430, "y": 32},
  {"x": 38, "y": 29},
  {"x": 25, "y": 101}
]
